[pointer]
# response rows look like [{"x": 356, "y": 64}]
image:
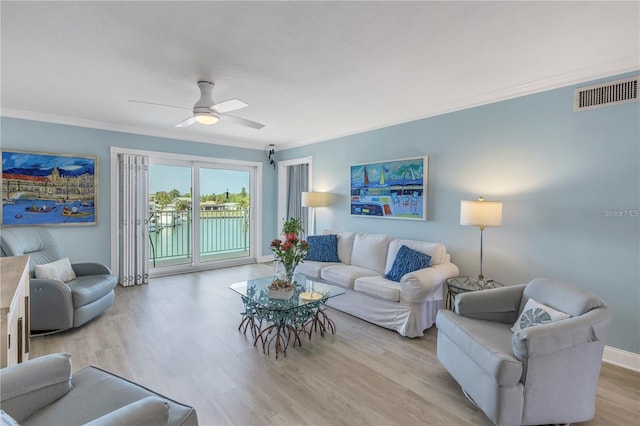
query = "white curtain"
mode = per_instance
[{"x": 133, "y": 230}]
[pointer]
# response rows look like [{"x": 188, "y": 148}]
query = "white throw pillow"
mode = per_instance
[
  {"x": 7, "y": 420},
  {"x": 535, "y": 313},
  {"x": 370, "y": 252},
  {"x": 60, "y": 270}
]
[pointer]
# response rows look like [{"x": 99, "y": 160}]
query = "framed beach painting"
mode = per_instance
[
  {"x": 48, "y": 189},
  {"x": 395, "y": 189}
]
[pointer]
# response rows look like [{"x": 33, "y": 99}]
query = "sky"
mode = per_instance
[
  {"x": 42, "y": 164},
  {"x": 212, "y": 181}
]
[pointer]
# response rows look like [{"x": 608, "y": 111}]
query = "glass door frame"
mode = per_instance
[
  {"x": 195, "y": 205},
  {"x": 255, "y": 169}
]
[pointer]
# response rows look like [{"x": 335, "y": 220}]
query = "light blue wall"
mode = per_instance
[
  {"x": 555, "y": 171},
  {"x": 92, "y": 243}
]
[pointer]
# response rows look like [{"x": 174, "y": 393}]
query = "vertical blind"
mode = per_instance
[{"x": 133, "y": 210}]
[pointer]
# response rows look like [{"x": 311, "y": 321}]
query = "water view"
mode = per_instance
[
  {"x": 223, "y": 234},
  {"x": 43, "y": 211}
]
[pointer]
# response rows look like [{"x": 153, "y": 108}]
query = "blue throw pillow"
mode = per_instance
[
  {"x": 323, "y": 248},
  {"x": 407, "y": 260}
]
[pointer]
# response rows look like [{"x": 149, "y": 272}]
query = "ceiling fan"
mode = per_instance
[{"x": 207, "y": 112}]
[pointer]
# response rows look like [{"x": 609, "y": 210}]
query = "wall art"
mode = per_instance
[
  {"x": 48, "y": 189},
  {"x": 395, "y": 189}
]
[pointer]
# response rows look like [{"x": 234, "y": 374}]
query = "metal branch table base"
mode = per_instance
[{"x": 286, "y": 320}]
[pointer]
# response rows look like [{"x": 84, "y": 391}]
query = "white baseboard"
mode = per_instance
[
  {"x": 265, "y": 259},
  {"x": 621, "y": 358}
]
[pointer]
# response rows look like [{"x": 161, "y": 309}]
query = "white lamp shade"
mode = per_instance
[
  {"x": 481, "y": 213},
  {"x": 314, "y": 199}
]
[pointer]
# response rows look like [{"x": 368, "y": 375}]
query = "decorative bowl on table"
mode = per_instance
[
  {"x": 281, "y": 289},
  {"x": 311, "y": 296}
]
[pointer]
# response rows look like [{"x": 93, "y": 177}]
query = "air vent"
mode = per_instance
[{"x": 611, "y": 93}]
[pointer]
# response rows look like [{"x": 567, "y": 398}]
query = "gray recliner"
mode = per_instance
[
  {"x": 544, "y": 374},
  {"x": 56, "y": 305}
]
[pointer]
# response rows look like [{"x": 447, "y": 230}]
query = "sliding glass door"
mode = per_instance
[
  {"x": 224, "y": 213},
  {"x": 199, "y": 214},
  {"x": 170, "y": 221}
]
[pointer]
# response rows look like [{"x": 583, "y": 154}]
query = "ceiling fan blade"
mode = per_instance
[
  {"x": 161, "y": 105},
  {"x": 229, "y": 105},
  {"x": 242, "y": 121},
  {"x": 188, "y": 122}
]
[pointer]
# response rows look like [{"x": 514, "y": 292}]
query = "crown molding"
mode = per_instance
[
  {"x": 581, "y": 76},
  {"x": 78, "y": 122},
  {"x": 609, "y": 70}
]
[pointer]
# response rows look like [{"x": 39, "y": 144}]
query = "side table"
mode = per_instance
[{"x": 457, "y": 285}]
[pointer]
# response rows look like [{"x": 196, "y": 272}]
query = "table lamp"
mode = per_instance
[
  {"x": 481, "y": 213},
  {"x": 313, "y": 200}
]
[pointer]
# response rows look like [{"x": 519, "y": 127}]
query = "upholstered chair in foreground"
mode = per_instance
[
  {"x": 42, "y": 391},
  {"x": 527, "y": 354},
  {"x": 66, "y": 295}
]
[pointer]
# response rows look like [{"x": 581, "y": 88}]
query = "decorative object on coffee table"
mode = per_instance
[
  {"x": 292, "y": 250},
  {"x": 281, "y": 289}
]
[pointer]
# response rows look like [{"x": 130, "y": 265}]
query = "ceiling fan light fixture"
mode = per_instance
[{"x": 206, "y": 118}]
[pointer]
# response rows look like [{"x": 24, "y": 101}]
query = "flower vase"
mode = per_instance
[
  {"x": 278, "y": 270},
  {"x": 289, "y": 272}
]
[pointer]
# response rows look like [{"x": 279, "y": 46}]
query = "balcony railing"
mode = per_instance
[{"x": 223, "y": 234}]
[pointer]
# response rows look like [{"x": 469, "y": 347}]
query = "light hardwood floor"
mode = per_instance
[{"x": 179, "y": 336}]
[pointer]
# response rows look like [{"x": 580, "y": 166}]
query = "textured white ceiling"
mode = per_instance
[{"x": 310, "y": 71}]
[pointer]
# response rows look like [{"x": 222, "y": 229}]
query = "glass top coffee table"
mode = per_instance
[{"x": 277, "y": 319}]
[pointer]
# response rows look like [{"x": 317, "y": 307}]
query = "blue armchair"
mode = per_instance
[{"x": 58, "y": 305}]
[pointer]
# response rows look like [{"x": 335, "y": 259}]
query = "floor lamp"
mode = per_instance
[
  {"x": 481, "y": 213},
  {"x": 313, "y": 200}
]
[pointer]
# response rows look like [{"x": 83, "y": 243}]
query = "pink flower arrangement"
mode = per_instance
[{"x": 290, "y": 253}]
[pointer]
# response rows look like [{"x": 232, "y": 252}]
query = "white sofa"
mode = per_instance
[{"x": 409, "y": 306}]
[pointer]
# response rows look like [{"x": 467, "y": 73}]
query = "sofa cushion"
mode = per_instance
[
  {"x": 488, "y": 343},
  {"x": 437, "y": 251},
  {"x": 323, "y": 248},
  {"x": 370, "y": 252},
  {"x": 59, "y": 270},
  {"x": 90, "y": 288},
  {"x": 92, "y": 384},
  {"x": 379, "y": 287},
  {"x": 312, "y": 269},
  {"x": 407, "y": 260},
  {"x": 345, "y": 275},
  {"x": 7, "y": 420},
  {"x": 345, "y": 244},
  {"x": 26, "y": 390},
  {"x": 151, "y": 411},
  {"x": 535, "y": 314}
]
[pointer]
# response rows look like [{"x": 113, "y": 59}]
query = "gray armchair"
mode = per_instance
[
  {"x": 42, "y": 391},
  {"x": 56, "y": 305},
  {"x": 543, "y": 374}
]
